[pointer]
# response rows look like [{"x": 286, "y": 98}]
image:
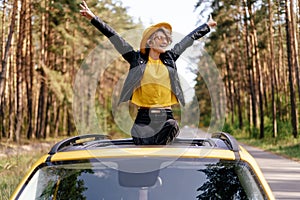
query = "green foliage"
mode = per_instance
[
  {"x": 204, "y": 100},
  {"x": 60, "y": 85},
  {"x": 285, "y": 144},
  {"x": 12, "y": 169},
  {"x": 227, "y": 128},
  {"x": 291, "y": 151}
]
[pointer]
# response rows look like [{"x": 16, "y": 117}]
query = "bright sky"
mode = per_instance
[{"x": 180, "y": 14}]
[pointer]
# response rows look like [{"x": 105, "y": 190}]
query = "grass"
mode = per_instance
[
  {"x": 12, "y": 169},
  {"x": 16, "y": 160},
  {"x": 285, "y": 145}
]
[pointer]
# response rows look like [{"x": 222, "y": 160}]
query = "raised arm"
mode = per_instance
[
  {"x": 188, "y": 40},
  {"x": 124, "y": 48}
]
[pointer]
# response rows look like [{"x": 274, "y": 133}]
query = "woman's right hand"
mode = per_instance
[{"x": 85, "y": 11}]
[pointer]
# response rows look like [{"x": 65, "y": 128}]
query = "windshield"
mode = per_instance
[{"x": 182, "y": 179}]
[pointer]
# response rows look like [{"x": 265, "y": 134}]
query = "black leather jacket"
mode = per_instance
[{"x": 138, "y": 61}]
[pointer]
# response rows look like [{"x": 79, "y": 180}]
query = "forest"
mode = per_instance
[{"x": 45, "y": 43}]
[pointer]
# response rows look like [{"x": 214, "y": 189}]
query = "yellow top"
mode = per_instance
[{"x": 155, "y": 88}]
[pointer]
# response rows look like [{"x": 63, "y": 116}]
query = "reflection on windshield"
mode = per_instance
[
  {"x": 184, "y": 179},
  {"x": 66, "y": 184},
  {"x": 222, "y": 182}
]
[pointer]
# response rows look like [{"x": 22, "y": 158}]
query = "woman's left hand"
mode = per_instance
[{"x": 211, "y": 22}]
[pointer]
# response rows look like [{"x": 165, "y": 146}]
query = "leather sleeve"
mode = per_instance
[
  {"x": 199, "y": 32},
  {"x": 188, "y": 40},
  {"x": 123, "y": 47}
]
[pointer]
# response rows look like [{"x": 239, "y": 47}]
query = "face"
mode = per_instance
[{"x": 159, "y": 42}]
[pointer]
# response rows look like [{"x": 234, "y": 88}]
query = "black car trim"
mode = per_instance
[
  {"x": 218, "y": 140},
  {"x": 228, "y": 139},
  {"x": 72, "y": 141}
]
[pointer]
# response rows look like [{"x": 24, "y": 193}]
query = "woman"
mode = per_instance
[{"x": 152, "y": 83}]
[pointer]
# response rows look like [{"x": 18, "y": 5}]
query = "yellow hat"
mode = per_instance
[{"x": 149, "y": 31}]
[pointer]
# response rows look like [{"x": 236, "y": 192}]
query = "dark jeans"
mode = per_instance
[{"x": 154, "y": 126}]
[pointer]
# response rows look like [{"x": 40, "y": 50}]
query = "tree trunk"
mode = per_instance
[
  {"x": 240, "y": 83},
  {"x": 20, "y": 62},
  {"x": 3, "y": 29},
  {"x": 11, "y": 87},
  {"x": 252, "y": 107},
  {"x": 6, "y": 50},
  {"x": 259, "y": 78},
  {"x": 42, "y": 108},
  {"x": 237, "y": 90},
  {"x": 41, "y": 117},
  {"x": 294, "y": 119},
  {"x": 280, "y": 77},
  {"x": 29, "y": 74},
  {"x": 294, "y": 47},
  {"x": 272, "y": 68},
  {"x": 57, "y": 118},
  {"x": 229, "y": 80}
]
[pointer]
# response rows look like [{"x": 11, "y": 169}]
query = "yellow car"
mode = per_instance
[{"x": 95, "y": 167}]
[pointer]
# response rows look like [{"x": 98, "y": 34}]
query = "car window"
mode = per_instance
[{"x": 181, "y": 179}]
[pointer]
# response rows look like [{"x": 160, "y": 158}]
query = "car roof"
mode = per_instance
[
  {"x": 220, "y": 146},
  {"x": 218, "y": 140}
]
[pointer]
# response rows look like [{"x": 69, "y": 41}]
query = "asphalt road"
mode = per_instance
[{"x": 282, "y": 174}]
